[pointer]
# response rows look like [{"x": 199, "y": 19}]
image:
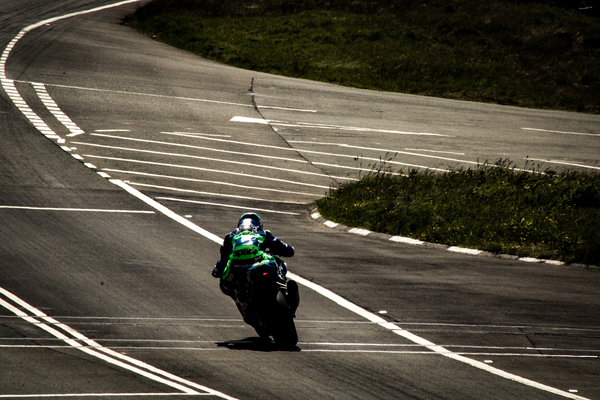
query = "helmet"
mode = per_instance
[{"x": 248, "y": 221}]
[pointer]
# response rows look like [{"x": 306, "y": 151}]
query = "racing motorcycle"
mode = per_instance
[{"x": 268, "y": 301}]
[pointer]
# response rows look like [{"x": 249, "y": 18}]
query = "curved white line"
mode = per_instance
[
  {"x": 111, "y": 356},
  {"x": 327, "y": 293},
  {"x": 368, "y": 315}
]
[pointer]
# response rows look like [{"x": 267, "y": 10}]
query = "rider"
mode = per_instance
[{"x": 245, "y": 246}]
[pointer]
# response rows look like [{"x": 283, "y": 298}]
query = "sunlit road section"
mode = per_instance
[{"x": 124, "y": 162}]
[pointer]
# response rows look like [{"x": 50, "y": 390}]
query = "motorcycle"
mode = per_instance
[{"x": 268, "y": 302}]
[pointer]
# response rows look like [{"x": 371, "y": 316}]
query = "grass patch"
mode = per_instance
[
  {"x": 509, "y": 52},
  {"x": 493, "y": 208}
]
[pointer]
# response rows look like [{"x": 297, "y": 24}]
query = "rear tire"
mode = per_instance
[
  {"x": 284, "y": 333},
  {"x": 282, "y": 324}
]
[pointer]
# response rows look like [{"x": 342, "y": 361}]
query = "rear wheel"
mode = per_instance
[
  {"x": 284, "y": 333},
  {"x": 282, "y": 324}
]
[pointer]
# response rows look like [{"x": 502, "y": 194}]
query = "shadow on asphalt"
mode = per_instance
[{"x": 255, "y": 344}]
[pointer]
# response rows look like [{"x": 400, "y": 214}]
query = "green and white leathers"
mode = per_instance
[{"x": 246, "y": 249}]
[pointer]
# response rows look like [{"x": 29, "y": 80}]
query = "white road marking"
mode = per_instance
[
  {"x": 407, "y": 240},
  {"x": 384, "y": 151},
  {"x": 75, "y": 209},
  {"x": 358, "y": 231},
  {"x": 207, "y": 170},
  {"x": 96, "y": 350},
  {"x": 437, "y": 151},
  {"x": 212, "y": 182},
  {"x": 10, "y": 89},
  {"x": 110, "y": 356},
  {"x": 188, "y": 146},
  {"x": 364, "y": 313},
  {"x": 146, "y": 94},
  {"x": 229, "y": 196},
  {"x": 66, "y": 395},
  {"x": 463, "y": 250},
  {"x": 219, "y": 160},
  {"x": 353, "y": 168},
  {"x": 567, "y": 133},
  {"x": 374, "y": 318},
  {"x": 297, "y": 150},
  {"x": 286, "y": 109},
  {"x": 562, "y": 163},
  {"x": 227, "y": 206},
  {"x": 201, "y": 134},
  {"x": 425, "y": 343},
  {"x": 159, "y": 207},
  {"x": 56, "y": 111},
  {"x": 325, "y": 126}
]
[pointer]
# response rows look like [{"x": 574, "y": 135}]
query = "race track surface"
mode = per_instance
[{"x": 122, "y": 163}]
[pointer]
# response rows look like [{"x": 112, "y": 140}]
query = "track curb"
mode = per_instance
[{"x": 315, "y": 215}]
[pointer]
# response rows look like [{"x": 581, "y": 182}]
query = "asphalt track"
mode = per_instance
[{"x": 124, "y": 160}]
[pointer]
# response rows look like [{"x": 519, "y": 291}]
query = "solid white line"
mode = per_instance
[
  {"x": 353, "y": 168},
  {"x": 227, "y": 206},
  {"x": 94, "y": 348},
  {"x": 203, "y": 134},
  {"x": 166, "y": 211},
  {"x": 74, "y": 209},
  {"x": 188, "y": 146},
  {"x": 325, "y": 126},
  {"x": 45, "y": 129},
  {"x": 208, "y": 181},
  {"x": 45, "y": 396},
  {"x": 206, "y": 170},
  {"x": 568, "y": 133},
  {"x": 286, "y": 109},
  {"x": 206, "y": 159},
  {"x": 316, "y": 152},
  {"x": 213, "y": 194},
  {"x": 383, "y": 150},
  {"x": 146, "y": 94},
  {"x": 437, "y": 151},
  {"x": 423, "y": 342},
  {"x": 562, "y": 163}
]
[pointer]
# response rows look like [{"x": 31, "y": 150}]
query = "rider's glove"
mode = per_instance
[{"x": 216, "y": 273}]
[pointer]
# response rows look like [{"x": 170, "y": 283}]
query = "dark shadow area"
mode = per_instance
[{"x": 255, "y": 344}]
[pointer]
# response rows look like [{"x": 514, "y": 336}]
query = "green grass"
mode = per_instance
[
  {"x": 493, "y": 208},
  {"x": 524, "y": 53},
  {"x": 517, "y": 53}
]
